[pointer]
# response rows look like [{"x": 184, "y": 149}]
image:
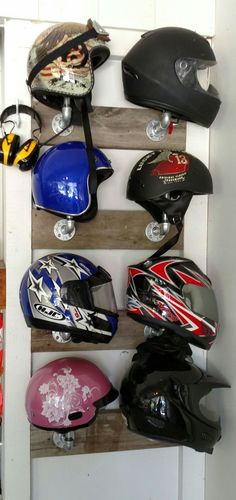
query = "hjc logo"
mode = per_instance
[{"x": 49, "y": 312}]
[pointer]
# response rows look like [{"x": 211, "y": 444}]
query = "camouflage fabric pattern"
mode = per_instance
[{"x": 71, "y": 74}]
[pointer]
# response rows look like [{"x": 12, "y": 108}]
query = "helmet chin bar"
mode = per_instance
[
  {"x": 61, "y": 337},
  {"x": 157, "y": 130},
  {"x": 62, "y": 120},
  {"x": 64, "y": 441},
  {"x": 64, "y": 229},
  {"x": 156, "y": 231}
]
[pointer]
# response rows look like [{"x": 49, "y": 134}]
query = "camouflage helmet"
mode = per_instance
[{"x": 62, "y": 61}]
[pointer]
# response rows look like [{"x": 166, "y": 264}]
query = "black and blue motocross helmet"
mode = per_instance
[
  {"x": 65, "y": 292},
  {"x": 61, "y": 180}
]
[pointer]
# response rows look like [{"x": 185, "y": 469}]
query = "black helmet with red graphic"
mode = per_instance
[
  {"x": 165, "y": 181},
  {"x": 173, "y": 293}
]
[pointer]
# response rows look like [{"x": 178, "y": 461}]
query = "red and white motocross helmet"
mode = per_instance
[
  {"x": 66, "y": 394},
  {"x": 173, "y": 293}
]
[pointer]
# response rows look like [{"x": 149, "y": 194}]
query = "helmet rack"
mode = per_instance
[
  {"x": 157, "y": 130},
  {"x": 61, "y": 121},
  {"x": 65, "y": 441},
  {"x": 64, "y": 229},
  {"x": 156, "y": 231},
  {"x": 61, "y": 337},
  {"x": 107, "y": 433},
  {"x": 112, "y": 128}
]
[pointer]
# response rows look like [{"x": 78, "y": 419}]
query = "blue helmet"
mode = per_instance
[
  {"x": 67, "y": 293},
  {"x": 61, "y": 180}
]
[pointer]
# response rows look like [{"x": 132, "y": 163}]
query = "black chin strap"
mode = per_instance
[
  {"x": 167, "y": 343},
  {"x": 84, "y": 106},
  {"x": 170, "y": 243}
]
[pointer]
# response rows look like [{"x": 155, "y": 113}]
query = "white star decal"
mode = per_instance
[
  {"x": 57, "y": 300},
  {"x": 73, "y": 266},
  {"x": 48, "y": 265},
  {"x": 36, "y": 286}
]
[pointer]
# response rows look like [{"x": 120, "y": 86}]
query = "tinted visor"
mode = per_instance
[
  {"x": 187, "y": 72},
  {"x": 96, "y": 292},
  {"x": 201, "y": 300}
]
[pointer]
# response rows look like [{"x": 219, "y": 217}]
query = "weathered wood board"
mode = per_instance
[
  {"x": 115, "y": 128},
  {"x": 110, "y": 229},
  {"x": 107, "y": 433}
]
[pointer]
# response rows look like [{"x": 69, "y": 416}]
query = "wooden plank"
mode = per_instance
[
  {"x": 110, "y": 229},
  {"x": 128, "y": 336},
  {"x": 107, "y": 433},
  {"x": 2, "y": 285},
  {"x": 116, "y": 128}
]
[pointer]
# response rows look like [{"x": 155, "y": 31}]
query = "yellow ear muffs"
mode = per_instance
[
  {"x": 27, "y": 155},
  {"x": 11, "y": 153},
  {"x": 9, "y": 146}
]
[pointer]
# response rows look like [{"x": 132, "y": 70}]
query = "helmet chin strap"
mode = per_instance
[
  {"x": 169, "y": 244},
  {"x": 84, "y": 106}
]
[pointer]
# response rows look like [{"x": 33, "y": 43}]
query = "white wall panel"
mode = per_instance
[
  {"x": 122, "y": 162},
  {"x": 25, "y": 9},
  {"x": 69, "y": 10},
  {"x": 133, "y": 475},
  {"x": 220, "y": 476},
  {"x": 122, "y": 40},
  {"x": 16, "y": 451},
  {"x": 197, "y": 15},
  {"x": 110, "y": 75},
  {"x": 134, "y": 14}
]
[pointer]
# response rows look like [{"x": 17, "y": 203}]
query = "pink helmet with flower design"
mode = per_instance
[{"x": 66, "y": 394}]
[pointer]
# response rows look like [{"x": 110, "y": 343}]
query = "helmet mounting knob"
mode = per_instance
[
  {"x": 64, "y": 229},
  {"x": 156, "y": 231},
  {"x": 157, "y": 130},
  {"x": 61, "y": 337},
  {"x": 62, "y": 120},
  {"x": 64, "y": 441}
]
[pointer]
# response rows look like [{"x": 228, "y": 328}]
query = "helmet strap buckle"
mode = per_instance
[{"x": 99, "y": 29}]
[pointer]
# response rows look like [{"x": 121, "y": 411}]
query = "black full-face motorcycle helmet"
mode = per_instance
[
  {"x": 160, "y": 72},
  {"x": 161, "y": 399}
]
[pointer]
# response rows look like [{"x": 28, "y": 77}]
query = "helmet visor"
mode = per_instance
[
  {"x": 104, "y": 298},
  {"x": 95, "y": 292},
  {"x": 201, "y": 300},
  {"x": 187, "y": 71}
]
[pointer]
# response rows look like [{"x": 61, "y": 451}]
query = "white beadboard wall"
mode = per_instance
[
  {"x": 130, "y": 475},
  {"x": 220, "y": 478}
]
